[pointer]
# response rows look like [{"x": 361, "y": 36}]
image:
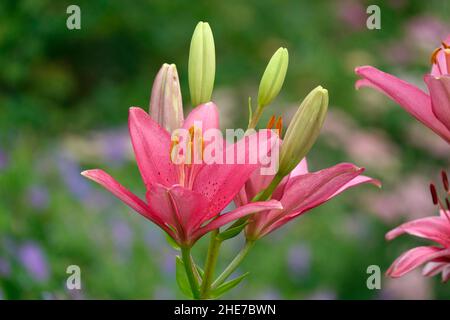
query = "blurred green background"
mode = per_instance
[{"x": 64, "y": 96}]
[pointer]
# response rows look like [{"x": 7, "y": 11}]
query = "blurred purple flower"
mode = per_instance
[
  {"x": 370, "y": 148},
  {"x": 33, "y": 259},
  {"x": 398, "y": 52},
  {"x": 5, "y": 267},
  {"x": 76, "y": 295},
  {"x": 412, "y": 286},
  {"x": 153, "y": 237},
  {"x": 116, "y": 145},
  {"x": 358, "y": 227},
  {"x": 122, "y": 235},
  {"x": 167, "y": 262},
  {"x": 421, "y": 137},
  {"x": 409, "y": 199},
  {"x": 70, "y": 173},
  {"x": 299, "y": 260},
  {"x": 426, "y": 31},
  {"x": 352, "y": 13},
  {"x": 38, "y": 197},
  {"x": 163, "y": 293}
]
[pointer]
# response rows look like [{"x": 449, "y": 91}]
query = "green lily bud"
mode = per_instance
[
  {"x": 166, "y": 106},
  {"x": 202, "y": 64},
  {"x": 273, "y": 77},
  {"x": 303, "y": 130}
]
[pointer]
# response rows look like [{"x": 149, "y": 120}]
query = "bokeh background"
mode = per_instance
[{"x": 64, "y": 96}]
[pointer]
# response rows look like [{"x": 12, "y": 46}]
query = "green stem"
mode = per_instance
[
  {"x": 267, "y": 193},
  {"x": 210, "y": 264},
  {"x": 234, "y": 264},
  {"x": 187, "y": 261},
  {"x": 255, "y": 118}
]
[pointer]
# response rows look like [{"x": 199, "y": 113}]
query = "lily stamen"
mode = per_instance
[
  {"x": 279, "y": 126},
  {"x": 276, "y": 123},
  {"x": 434, "y": 58},
  {"x": 271, "y": 122},
  {"x": 436, "y": 201},
  {"x": 444, "y": 180}
]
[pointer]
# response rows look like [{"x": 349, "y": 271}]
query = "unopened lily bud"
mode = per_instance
[
  {"x": 166, "y": 106},
  {"x": 202, "y": 64},
  {"x": 303, "y": 130},
  {"x": 273, "y": 77}
]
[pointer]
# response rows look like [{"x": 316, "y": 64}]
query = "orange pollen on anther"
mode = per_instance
[
  {"x": 174, "y": 142},
  {"x": 271, "y": 122},
  {"x": 196, "y": 144},
  {"x": 434, "y": 55},
  {"x": 446, "y": 46},
  {"x": 279, "y": 126},
  {"x": 275, "y": 123}
]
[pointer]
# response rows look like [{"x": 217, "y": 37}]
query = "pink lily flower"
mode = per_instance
[
  {"x": 185, "y": 200},
  {"x": 298, "y": 193},
  {"x": 432, "y": 109},
  {"x": 435, "y": 258}
]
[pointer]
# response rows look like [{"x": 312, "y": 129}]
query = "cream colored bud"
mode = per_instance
[{"x": 303, "y": 130}]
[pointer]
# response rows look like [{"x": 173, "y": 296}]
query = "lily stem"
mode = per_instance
[
  {"x": 187, "y": 261},
  {"x": 234, "y": 264},
  {"x": 210, "y": 264},
  {"x": 255, "y": 119},
  {"x": 267, "y": 193}
]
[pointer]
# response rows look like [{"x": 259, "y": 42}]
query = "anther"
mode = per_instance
[
  {"x": 434, "y": 194},
  {"x": 444, "y": 180},
  {"x": 279, "y": 126},
  {"x": 434, "y": 55},
  {"x": 271, "y": 122}
]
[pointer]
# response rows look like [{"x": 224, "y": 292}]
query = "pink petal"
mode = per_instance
[
  {"x": 253, "y": 207},
  {"x": 413, "y": 258},
  {"x": 308, "y": 191},
  {"x": 207, "y": 114},
  {"x": 433, "y": 228},
  {"x": 241, "y": 198},
  {"x": 445, "y": 214},
  {"x": 125, "y": 195},
  {"x": 219, "y": 183},
  {"x": 256, "y": 183},
  {"x": 439, "y": 89},
  {"x": 433, "y": 268},
  {"x": 440, "y": 68},
  {"x": 151, "y": 145},
  {"x": 355, "y": 182},
  {"x": 446, "y": 274},
  {"x": 182, "y": 209},
  {"x": 411, "y": 98},
  {"x": 301, "y": 168}
]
